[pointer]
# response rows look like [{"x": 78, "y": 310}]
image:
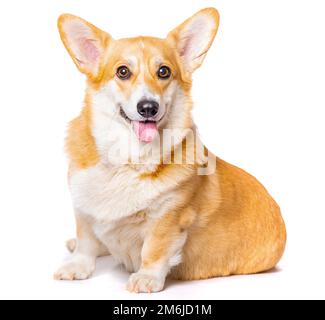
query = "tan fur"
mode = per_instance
[
  {"x": 80, "y": 144},
  {"x": 149, "y": 48},
  {"x": 220, "y": 224},
  {"x": 231, "y": 216}
]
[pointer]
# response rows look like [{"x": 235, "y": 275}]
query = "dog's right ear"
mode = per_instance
[{"x": 85, "y": 43}]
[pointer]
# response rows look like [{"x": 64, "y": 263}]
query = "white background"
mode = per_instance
[{"x": 260, "y": 103}]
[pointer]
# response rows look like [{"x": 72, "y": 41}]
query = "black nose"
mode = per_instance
[{"x": 148, "y": 108}]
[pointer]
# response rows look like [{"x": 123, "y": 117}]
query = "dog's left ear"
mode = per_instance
[{"x": 194, "y": 37}]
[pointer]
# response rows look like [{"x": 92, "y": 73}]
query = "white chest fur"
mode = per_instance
[
  {"x": 110, "y": 194},
  {"x": 122, "y": 205}
]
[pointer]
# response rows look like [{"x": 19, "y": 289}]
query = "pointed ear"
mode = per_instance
[
  {"x": 194, "y": 37},
  {"x": 85, "y": 43}
]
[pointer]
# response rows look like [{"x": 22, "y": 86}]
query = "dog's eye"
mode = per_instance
[
  {"x": 164, "y": 72},
  {"x": 123, "y": 72}
]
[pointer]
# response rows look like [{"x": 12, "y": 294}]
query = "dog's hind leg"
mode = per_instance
[
  {"x": 81, "y": 264},
  {"x": 72, "y": 243}
]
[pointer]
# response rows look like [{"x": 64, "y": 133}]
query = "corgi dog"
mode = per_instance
[{"x": 144, "y": 188}]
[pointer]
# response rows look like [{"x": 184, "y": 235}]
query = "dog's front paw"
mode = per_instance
[
  {"x": 75, "y": 269},
  {"x": 139, "y": 282}
]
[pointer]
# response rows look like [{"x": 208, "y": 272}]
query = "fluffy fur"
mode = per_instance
[{"x": 157, "y": 218}]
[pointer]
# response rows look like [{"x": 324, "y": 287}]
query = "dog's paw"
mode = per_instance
[
  {"x": 75, "y": 269},
  {"x": 139, "y": 282}
]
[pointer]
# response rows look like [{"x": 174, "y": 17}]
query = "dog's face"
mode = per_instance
[
  {"x": 142, "y": 76},
  {"x": 144, "y": 83}
]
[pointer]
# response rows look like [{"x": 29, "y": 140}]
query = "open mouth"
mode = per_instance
[{"x": 146, "y": 130}]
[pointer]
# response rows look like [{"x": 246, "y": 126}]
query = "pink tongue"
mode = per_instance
[{"x": 145, "y": 131}]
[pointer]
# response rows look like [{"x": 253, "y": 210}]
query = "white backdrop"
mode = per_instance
[{"x": 260, "y": 103}]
